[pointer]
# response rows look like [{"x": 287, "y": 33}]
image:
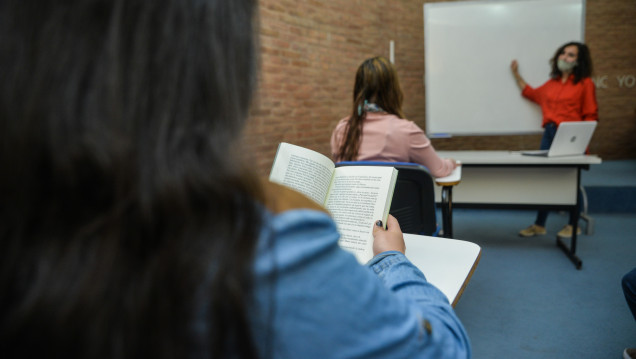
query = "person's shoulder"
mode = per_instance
[
  {"x": 300, "y": 228},
  {"x": 394, "y": 120},
  {"x": 340, "y": 126},
  {"x": 553, "y": 80},
  {"x": 404, "y": 123},
  {"x": 383, "y": 116},
  {"x": 343, "y": 122},
  {"x": 587, "y": 81},
  {"x": 402, "y": 126}
]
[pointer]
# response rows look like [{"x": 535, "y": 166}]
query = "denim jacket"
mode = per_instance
[{"x": 314, "y": 300}]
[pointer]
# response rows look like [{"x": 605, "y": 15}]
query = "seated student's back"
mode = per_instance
[{"x": 376, "y": 129}]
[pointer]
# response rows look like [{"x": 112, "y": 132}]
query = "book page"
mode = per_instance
[
  {"x": 304, "y": 170},
  {"x": 359, "y": 196}
]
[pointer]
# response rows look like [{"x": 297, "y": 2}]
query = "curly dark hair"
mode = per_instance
[{"x": 584, "y": 66}]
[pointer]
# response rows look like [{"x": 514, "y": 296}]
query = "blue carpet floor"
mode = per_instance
[
  {"x": 527, "y": 300},
  {"x": 611, "y": 187}
]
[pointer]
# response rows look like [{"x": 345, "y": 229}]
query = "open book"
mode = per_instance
[{"x": 356, "y": 196}]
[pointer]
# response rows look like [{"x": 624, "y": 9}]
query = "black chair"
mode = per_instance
[{"x": 413, "y": 199}]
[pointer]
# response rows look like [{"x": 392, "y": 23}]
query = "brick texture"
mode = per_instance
[{"x": 311, "y": 49}]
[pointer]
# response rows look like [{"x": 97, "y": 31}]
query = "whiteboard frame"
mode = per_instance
[{"x": 469, "y": 87}]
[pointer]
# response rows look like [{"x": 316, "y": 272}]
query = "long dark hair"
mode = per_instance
[
  {"x": 376, "y": 82},
  {"x": 127, "y": 226},
  {"x": 583, "y": 67}
]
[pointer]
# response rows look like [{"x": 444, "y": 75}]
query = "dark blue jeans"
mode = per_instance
[
  {"x": 546, "y": 142},
  {"x": 629, "y": 289}
]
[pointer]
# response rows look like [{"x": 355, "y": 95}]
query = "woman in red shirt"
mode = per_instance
[{"x": 569, "y": 95}]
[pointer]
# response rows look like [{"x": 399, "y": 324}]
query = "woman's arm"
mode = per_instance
[
  {"x": 326, "y": 305},
  {"x": 589, "y": 108},
  {"x": 421, "y": 151},
  {"x": 436, "y": 165},
  {"x": 514, "y": 66},
  {"x": 407, "y": 282}
]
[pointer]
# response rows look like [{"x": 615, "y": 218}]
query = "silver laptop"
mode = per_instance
[{"x": 571, "y": 139}]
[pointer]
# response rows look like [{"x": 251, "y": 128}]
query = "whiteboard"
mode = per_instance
[{"x": 468, "y": 47}]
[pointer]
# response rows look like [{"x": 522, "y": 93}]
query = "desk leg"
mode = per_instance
[
  {"x": 570, "y": 251},
  {"x": 447, "y": 211}
]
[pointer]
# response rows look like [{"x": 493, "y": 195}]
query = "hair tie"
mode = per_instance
[{"x": 360, "y": 108}]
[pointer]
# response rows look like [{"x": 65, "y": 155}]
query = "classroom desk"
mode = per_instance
[
  {"x": 447, "y": 263},
  {"x": 510, "y": 180},
  {"x": 447, "y": 183}
]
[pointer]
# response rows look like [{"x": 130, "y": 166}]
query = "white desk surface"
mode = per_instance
[
  {"x": 452, "y": 179},
  {"x": 447, "y": 263},
  {"x": 515, "y": 158}
]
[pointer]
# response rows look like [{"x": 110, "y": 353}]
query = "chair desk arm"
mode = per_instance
[{"x": 447, "y": 184}]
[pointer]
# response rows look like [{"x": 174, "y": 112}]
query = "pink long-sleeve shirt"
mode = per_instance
[{"x": 388, "y": 138}]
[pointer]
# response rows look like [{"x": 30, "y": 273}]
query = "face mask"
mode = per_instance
[{"x": 565, "y": 66}]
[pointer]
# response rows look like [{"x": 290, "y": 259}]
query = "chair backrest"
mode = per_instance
[{"x": 413, "y": 199}]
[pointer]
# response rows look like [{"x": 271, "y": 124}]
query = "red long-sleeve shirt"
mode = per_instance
[{"x": 561, "y": 102}]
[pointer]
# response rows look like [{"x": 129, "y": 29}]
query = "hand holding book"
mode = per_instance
[
  {"x": 390, "y": 239},
  {"x": 356, "y": 196}
]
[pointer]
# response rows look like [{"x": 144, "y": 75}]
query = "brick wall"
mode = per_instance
[{"x": 311, "y": 49}]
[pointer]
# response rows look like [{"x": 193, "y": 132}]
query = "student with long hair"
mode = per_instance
[
  {"x": 376, "y": 129},
  {"x": 131, "y": 228},
  {"x": 569, "y": 95}
]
